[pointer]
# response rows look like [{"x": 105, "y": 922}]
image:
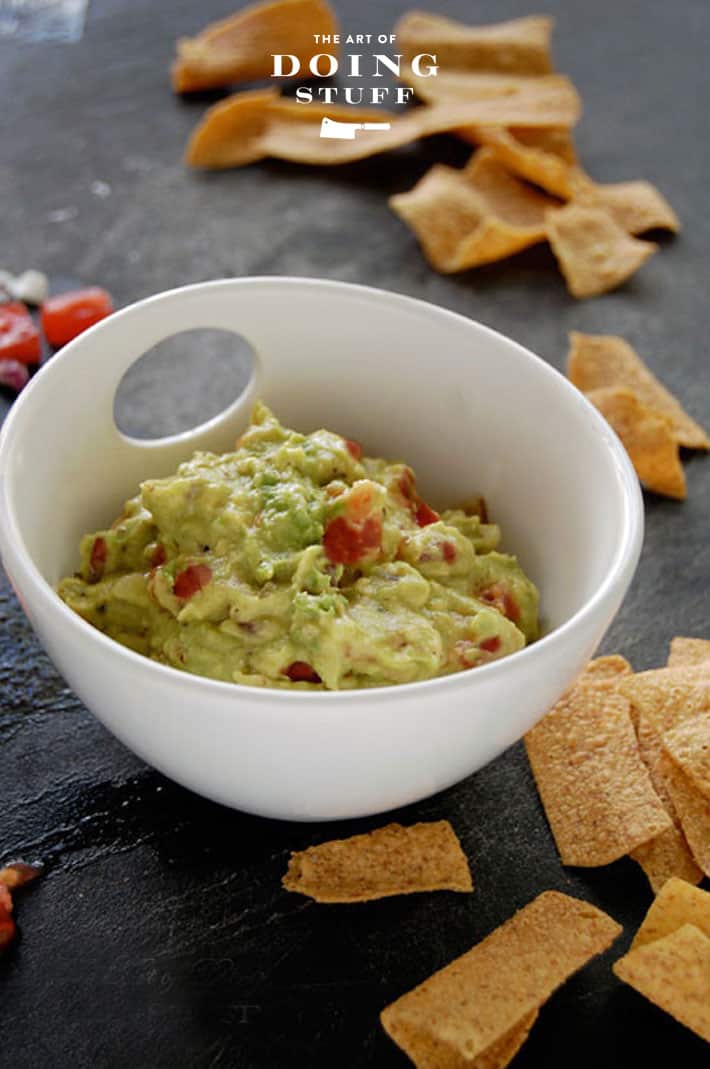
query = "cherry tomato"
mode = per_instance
[
  {"x": 67, "y": 315},
  {"x": 19, "y": 337}
]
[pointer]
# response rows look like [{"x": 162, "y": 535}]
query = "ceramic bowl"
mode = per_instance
[{"x": 472, "y": 411}]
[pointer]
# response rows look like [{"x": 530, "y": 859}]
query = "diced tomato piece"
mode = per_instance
[
  {"x": 97, "y": 560},
  {"x": 406, "y": 484},
  {"x": 502, "y": 600},
  {"x": 301, "y": 672},
  {"x": 348, "y": 543},
  {"x": 358, "y": 503},
  {"x": 159, "y": 555},
  {"x": 353, "y": 448},
  {"x": 191, "y": 580},
  {"x": 19, "y": 337},
  {"x": 424, "y": 515},
  {"x": 7, "y": 928},
  {"x": 449, "y": 551},
  {"x": 65, "y": 316},
  {"x": 490, "y": 645}
]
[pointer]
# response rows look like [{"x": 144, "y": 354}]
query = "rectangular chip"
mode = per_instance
[
  {"x": 693, "y": 810},
  {"x": 689, "y": 746},
  {"x": 593, "y": 784},
  {"x": 676, "y": 904},
  {"x": 689, "y": 653},
  {"x": 600, "y": 360},
  {"x": 594, "y": 253},
  {"x": 520, "y": 46},
  {"x": 393, "y": 860},
  {"x": 464, "y": 218},
  {"x": 647, "y": 437},
  {"x": 463, "y": 1010},
  {"x": 673, "y": 973}
]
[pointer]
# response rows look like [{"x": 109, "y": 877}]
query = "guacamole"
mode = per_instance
[{"x": 296, "y": 561}]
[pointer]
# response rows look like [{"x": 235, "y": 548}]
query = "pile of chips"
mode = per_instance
[
  {"x": 622, "y": 765},
  {"x": 495, "y": 87},
  {"x": 650, "y": 421}
]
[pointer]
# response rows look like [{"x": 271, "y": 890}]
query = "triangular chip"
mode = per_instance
[
  {"x": 393, "y": 860},
  {"x": 689, "y": 746},
  {"x": 673, "y": 973},
  {"x": 689, "y": 652},
  {"x": 647, "y": 437},
  {"x": 594, "y": 253},
  {"x": 600, "y": 360},
  {"x": 521, "y": 46},
  {"x": 676, "y": 904},
  {"x": 473, "y": 216},
  {"x": 637, "y": 206},
  {"x": 460, "y": 1012},
  {"x": 241, "y": 47},
  {"x": 595, "y": 789},
  {"x": 254, "y": 125}
]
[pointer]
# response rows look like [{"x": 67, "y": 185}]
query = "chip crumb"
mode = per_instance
[
  {"x": 677, "y": 903},
  {"x": 673, "y": 972},
  {"x": 594, "y": 252},
  {"x": 460, "y": 1013},
  {"x": 393, "y": 860}
]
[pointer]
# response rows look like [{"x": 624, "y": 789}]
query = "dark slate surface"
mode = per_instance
[{"x": 160, "y": 935}]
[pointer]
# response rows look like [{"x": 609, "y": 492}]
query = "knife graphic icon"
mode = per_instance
[{"x": 345, "y": 131}]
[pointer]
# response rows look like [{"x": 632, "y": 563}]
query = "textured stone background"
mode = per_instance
[{"x": 160, "y": 935}]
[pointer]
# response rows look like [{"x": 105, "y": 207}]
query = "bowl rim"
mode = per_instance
[{"x": 622, "y": 565}]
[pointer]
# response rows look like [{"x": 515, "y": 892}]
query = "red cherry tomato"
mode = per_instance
[
  {"x": 67, "y": 315},
  {"x": 19, "y": 337}
]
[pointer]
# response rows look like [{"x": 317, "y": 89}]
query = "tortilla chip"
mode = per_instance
[
  {"x": 647, "y": 437},
  {"x": 610, "y": 668},
  {"x": 689, "y": 746},
  {"x": 676, "y": 904},
  {"x": 665, "y": 857},
  {"x": 599, "y": 360},
  {"x": 594, "y": 787},
  {"x": 594, "y": 253},
  {"x": 673, "y": 973},
  {"x": 637, "y": 206},
  {"x": 251, "y": 126},
  {"x": 460, "y": 1012},
  {"x": 502, "y": 99},
  {"x": 521, "y": 46},
  {"x": 473, "y": 216},
  {"x": 689, "y": 652},
  {"x": 533, "y": 162},
  {"x": 693, "y": 810},
  {"x": 393, "y": 860},
  {"x": 241, "y": 47}
]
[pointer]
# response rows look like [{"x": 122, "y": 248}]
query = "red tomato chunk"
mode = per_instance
[
  {"x": 19, "y": 337},
  {"x": 424, "y": 515},
  {"x": 353, "y": 448},
  {"x": 347, "y": 543},
  {"x": 491, "y": 645},
  {"x": 97, "y": 560},
  {"x": 301, "y": 672},
  {"x": 191, "y": 580},
  {"x": 69, "y": 314}
]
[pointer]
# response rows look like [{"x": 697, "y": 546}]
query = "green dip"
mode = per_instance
[{"x": 296, "y": 562}]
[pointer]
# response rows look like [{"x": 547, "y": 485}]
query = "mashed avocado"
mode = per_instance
[{"x": 297, "y": 562}]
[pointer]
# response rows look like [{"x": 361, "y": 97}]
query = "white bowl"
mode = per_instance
[{"x": 472, "y": 411}]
